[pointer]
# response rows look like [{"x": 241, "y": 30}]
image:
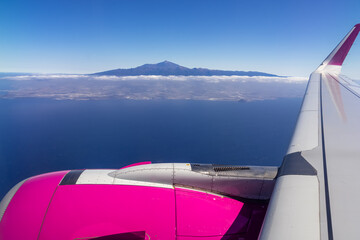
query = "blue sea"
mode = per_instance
[{"x": 42, "y": 135}]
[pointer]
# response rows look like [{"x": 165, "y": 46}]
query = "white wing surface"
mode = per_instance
[{"x": 318, "y": 188}]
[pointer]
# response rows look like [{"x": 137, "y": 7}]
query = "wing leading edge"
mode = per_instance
[{"x": 316, "y": 193}]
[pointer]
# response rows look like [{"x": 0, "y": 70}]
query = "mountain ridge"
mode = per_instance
[{"x": 167, "y": 68}]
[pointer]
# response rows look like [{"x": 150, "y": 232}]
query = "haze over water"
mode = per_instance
[{"x": 42, "y": 135}]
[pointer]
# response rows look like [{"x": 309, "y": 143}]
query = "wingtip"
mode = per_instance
[{"x": 338, "y": 55}]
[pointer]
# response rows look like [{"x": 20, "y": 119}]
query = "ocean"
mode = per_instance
[{"x": 42, "y": 135}]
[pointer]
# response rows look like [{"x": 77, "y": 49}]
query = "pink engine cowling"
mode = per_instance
[{"x": 53, "y": 206}]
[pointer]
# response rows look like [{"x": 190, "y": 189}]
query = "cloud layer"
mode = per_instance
[{"x": 214, "y": 79}]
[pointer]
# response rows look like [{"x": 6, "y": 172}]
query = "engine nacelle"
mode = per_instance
[{"x": 152, "y": 201}]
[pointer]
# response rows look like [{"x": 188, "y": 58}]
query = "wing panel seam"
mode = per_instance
[
  {"x": 347, "y": 88},
  {"x": 327, "y": 196}
]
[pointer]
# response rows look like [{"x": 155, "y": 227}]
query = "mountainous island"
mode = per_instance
[
  {"x": 167, "y": 68},
  {"x": 164, "y": 80}
]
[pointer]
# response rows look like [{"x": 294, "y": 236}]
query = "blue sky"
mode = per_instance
[{"x": 84, "y": 36}]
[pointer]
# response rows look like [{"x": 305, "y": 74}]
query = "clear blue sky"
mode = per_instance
[{"x": 83, "y": 36}]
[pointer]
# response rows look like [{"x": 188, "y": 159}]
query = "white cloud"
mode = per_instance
[
  {"x": 214, "y": 79},
  {"x": 44, "y": 77}
]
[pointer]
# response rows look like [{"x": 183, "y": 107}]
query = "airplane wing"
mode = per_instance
[
  {"x": 317, "y": 188},
  {"x": 313, "y": 195}
]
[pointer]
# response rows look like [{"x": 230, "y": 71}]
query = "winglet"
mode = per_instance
[{"x": 338, "y": 55}]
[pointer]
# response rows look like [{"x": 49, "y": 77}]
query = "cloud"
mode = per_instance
[
  {"x": 203, "y": 78},
  {"x": 44, "y": 77},
  {"x": 213, "y": 79}
]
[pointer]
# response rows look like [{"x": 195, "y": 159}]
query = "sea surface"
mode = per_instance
[{"x": 42, "y": 135}]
